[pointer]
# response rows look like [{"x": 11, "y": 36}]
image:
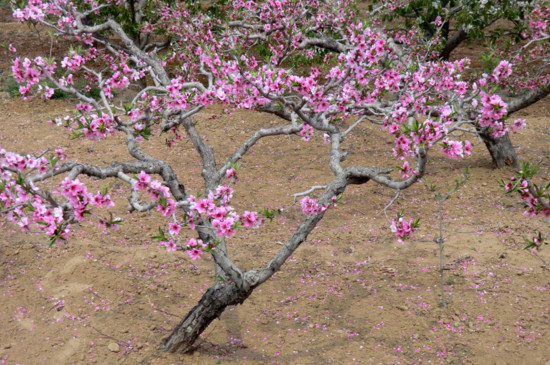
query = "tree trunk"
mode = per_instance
[
  {"x": 501, "y": 150},
  {"x": 458, "y": 37},
  {"x": 210, "y": 307}
]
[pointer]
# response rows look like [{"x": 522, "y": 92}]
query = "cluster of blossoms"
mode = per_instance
[
  {"x": 533, "y": 206},
  {"x": 35, "y": 10},
  {"x": 402, "y": 228},
  {"x": 306, "y": 132},
  {"x": 213, "y": 211},
  {"x": 24, "y": 203},
  {"x": 493, "y": 111},
  {"x": 78, "y": 196},
  {"x": 158, "y": 192},
  {"x": 455, "y": 149},
  {"x": 18, "y": 198},
  {"x": 311, "y": 207},
  {"x": 536, "y": 199},
  {"x": 427, "y": 98}
]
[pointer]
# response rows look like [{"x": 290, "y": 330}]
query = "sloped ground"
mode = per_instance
[{"x": 351, "y": 294}]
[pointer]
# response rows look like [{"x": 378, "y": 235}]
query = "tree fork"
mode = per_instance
[{"x": 211, "y": 306}]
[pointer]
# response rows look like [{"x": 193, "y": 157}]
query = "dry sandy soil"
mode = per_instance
[{"x": 351, "y": 294}]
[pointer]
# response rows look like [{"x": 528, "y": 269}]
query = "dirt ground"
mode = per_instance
[{"x": 351, "y": 294}]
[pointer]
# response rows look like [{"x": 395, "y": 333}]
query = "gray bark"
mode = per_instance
[
  {"x": 501, "y": 150},
  {"x": 210, "y": 307},
  {"x": 458, "y": 37},
  {"x": 528, "y": 99}
]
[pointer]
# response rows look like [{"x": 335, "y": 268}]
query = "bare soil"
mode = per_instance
[{"x": 351, "y": 294}]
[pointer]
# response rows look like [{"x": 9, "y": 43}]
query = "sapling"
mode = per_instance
[{"x": 440, "y": 238}]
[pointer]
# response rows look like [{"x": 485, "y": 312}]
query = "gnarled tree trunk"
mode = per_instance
[
  {"x": 211, "y": 306},
  {"x": 501, "y": 150}
]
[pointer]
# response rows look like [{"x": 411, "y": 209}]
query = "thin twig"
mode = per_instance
[{"x": 309, "y": 191}]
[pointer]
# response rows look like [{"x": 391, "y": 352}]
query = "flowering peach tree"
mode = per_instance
[{"x": 312, "y": 63}]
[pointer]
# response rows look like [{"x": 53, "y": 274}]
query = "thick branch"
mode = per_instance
[
  {"x": 131, "y": 47},
  {"x": 458, "y": 37},
  {"x": 528, "y": 99},
  {"x": 251, "y": 141},
  {"x": 327, "y": 43},
  {"x": 351, "y": 175}
]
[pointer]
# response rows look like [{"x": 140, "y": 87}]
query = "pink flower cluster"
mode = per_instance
[
  {"x": 231, "y": 174},
  {"x": 157, "y": 191},
  {"x": 306, "y": 132},
  {"x": 311, "y": 207},
  {"x": 455, "y": 149},
  {"x": 219, "y": 214},
  {"x": 402, "y": 228},
  {"x": 532, "y": 204},
  {"x": 493, "y": 111},
  {"x": 29, "y": 73},
  {"x": 23, "y": 202},
  {"x": 78, "y": 196},
  {"x": 215, "y": 209},
  {"x": 195, "y": 248},
  {"x": 35, "y": 10},
  {"x": 501, "y": 72}
]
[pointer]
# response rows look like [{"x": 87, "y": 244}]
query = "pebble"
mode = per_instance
[{"x": 113, "y": 346}]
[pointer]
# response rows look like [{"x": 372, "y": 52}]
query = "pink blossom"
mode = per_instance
[
  {"x": 143, "y": 181},
  {"x": 194, "y": 253},
  {"x": 170, "y": 245},
  {"x": 311, "y": 207},
  {"x": 174, "y": 228},
  {"x": 502, "y": 71},
  {"x": 452, "y": 149},
  {"x": 231, "y": 174},
  {"x": 250, "y": 219},
  {"x": 306, "y": 132},
  {"x": 518, "y": 124}
]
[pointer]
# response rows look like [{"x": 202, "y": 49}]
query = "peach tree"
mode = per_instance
[{"x": 312, "y": 63}]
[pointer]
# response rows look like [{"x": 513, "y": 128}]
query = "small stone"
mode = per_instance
[
  {"x": 113, "y": 347},
  {"x": 153, "y": 327},
  {"x": 8, "y": 346},
  {"x": 402, "y": 308}
]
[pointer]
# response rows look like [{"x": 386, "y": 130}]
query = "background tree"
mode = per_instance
[{"x": 508, "y": 30}]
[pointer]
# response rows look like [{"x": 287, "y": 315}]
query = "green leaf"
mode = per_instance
[{"x": 161, "y": 236}]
